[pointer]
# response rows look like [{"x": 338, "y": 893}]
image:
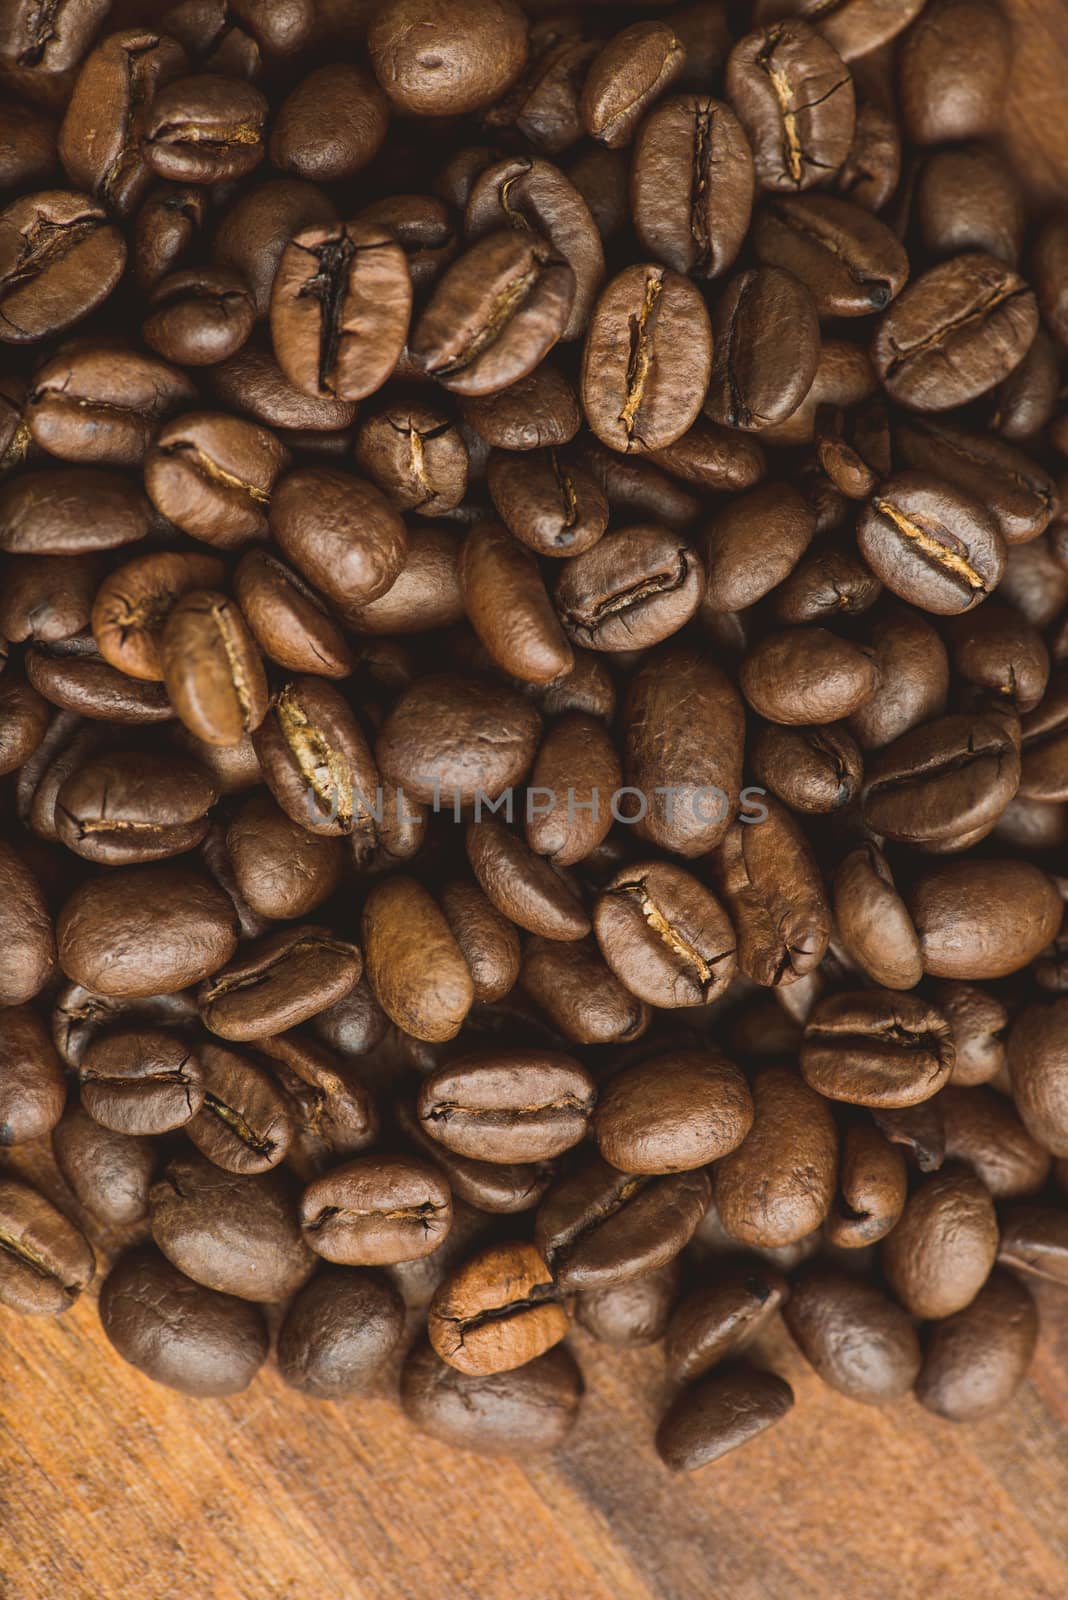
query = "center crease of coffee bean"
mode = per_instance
[{"x": 929, "y": 546}]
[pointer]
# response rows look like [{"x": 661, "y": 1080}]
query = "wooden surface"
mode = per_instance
[{"x": 111, "y": 1487}]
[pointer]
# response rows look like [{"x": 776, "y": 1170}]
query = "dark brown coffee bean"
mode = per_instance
[
  {"x": 24, "y": 717},
  {"x": 976, "y": 1360},
  {"x": 406, "y": 935},
  {"x": 338, "y": 1334},
  {"x": 715, "y": 1322},
  {"x": 33, "y": 1089},
  {"x": 664, "y": 935},
  {"x": 943, "y": 780},
  {"x": 779, "y": 1184},
  {"x": 60, "y": 258},
  {"x": 533, "y": 1407},
  {"x": 720, "y": 1413},
  {"x": 212, "y": 668},
  {"x": 69, "y": 511},
  {"x": 536, "y": 412},
  {"x": 872, "y": 922},
  {"x": 953, "y": 71},
  {"x": 288, "y": 619},
  {"x": 579, "y": 993},
  {"x": 766, "y": 349},
  {"x": 634, "y": 1313},
  {"x": 507, "y": 1105},
  {"x": 79, "y": 1016},
  {"x": 931, "y": 543},
  {"x": 376, "y": 1210},
  {"x": 984, "y": 1132},
  {"x": 810, "y": 769},
  {"x": 340, "y": 533},
  {"x": 132, "y": 604},
  {"x": 913, "y": 682},
  {"x": 316, "y": 761},
  {"x": 435, "y": 742},
  {"x": 851, "y": 263},
  {"x": 108, "y": 1173},
  {"x": 527, "y": 889},
  {"x": 856, "y": 1337},
  {"x": 46, "y": 1261},
  {"x": 340, "y": 309},
  {"x": 692, "y": 185},
  {"x": 179, "y": 1333},
  {"x": 996, "y": 648},
  {"x": 808, "y": 675},
  {"x": 1022, "y": 498},
  {"x": 165, "y": 229},
  {"x": 870, "y": 173},
  {"x": 73, "y": 675},
  {"x": 204, "y": 129},
  {"x": 1047, "y": 269},
  {"x": 598, "y": 1226},
  {"x": 95, "y": 401},
  {"x": 854, "y": 27},
  {"x": 454, "y": 59},
  {"x": 544, "y": 105},
  {"x": 711, "y": 457},
  {"x": 44, "y": 43},
  {"x": 1034, "y": 1240},
  {"x": 489, "y": 941},
  {"x": 940, "y": 1254},
  {"x": 1036, "y": 1069},
  {"x": 141, "y": 1082},
  {"x": 577, "y": 771},
  {"x": 635, "y": 587},
  {"x": 794, "y": 97},
  {"x": 199, "y": 317},
  {"x": 1025, "y": 401},
  {"x": 966, "y": 199},
  {"x": 279, "y": 983},
  {"x": 145, "y": 931},
  {"x": 752, "y": 545},
  {"x": 213, "y": 474},
  {"x": 633, "y": 69},
  {"x": 125, "y": 808},
  {"x": 508, "y": 606},
  {"x": 416, "y": 455},
  {"x": 983, "y": 919},
  {"x": 875, "y": 1047},
  {"x": 238, "y": 1235},
  {"x": 954, "y": 333},
  {"x": 553, "y": 505},
  {"x": 282, "y": 869},
  {"x": 26, "y": 931},
  {"x": 243, "y": 1124},
  {"x": 331, "y": 125},
  {"x": 872, "y": 1187},
  {"x": 672, "y": 1113},
  {"x": 647, "y": 359}
]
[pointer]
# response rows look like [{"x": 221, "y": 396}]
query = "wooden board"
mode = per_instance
[{"x": 111, "y": 1487}]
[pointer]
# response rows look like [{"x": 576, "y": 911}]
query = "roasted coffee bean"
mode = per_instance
[
  {"x": 527, "y": 889},
  {"x": 53, "y": 42},
  {"x": 875, "y": 1047},
  {"x": 851, "y": 263},
  {"x": 499, "y": 1311},
  {"x": 794, "y": 97},
  {"x": 33, "y": 1088},
  {"x": 766, "y": 349},
  {"x": 873, "y": 924},
  {"x": 872, "y": 1187},
  {"x": 1026, "y": 400},
  {"x": 854, "y": 27},
  {"x": 1044, "y": 770},
  {"x": 1047, "y": 269},
  {"x": 315, "y": 759},
  {"x": 79, "y": 1016},
  {"x": 288, "y": 620},
  {"x": 331, "y": 1110},
  {"x": 984, "y": 1132},
  {"x": 647, "y": 359},
  {"x": 425, "y": 595},
  {"x": 199, "y": 317},
  {"x": 1035, "y": 1059},
  {"x": 711, "y": 457},
  {"x": 26, "y": 931},
  {"x": 978, "y": 1020},
  {"x": 754, "y": 543},
  {"x": 331, "y": 125},
  {"x": 165, "y": 230},
  {"x": 340, "y": 309},
  {"x": 577, "y": 771},
  {"x": 579, "y": 994},
  {"x": 918, "y": 1130},
  {"x": 977, "y": 1359},
  {"x": 204, "y": 129},
  {"x": 108, "y": 1173},
  {"x": 282, "y": 869},
  {"x": 500, "y": 1187},
  {"x": 715, "y": 1322},
  {"x": 808, "y": 675},
  {"x": 553, "y": 505},
  {"x": 243, "y": 1124},
  {"x": 913, "y": 670},
  {"x": 456, "y": 737},
  {"x": 96, "y": 401},
  {"x": 509, "y": 609},
  {"x": 141, "y": 1082},
  {"x": 635, "y": 587},
  {"x": 949, "y": 778},
  {"x": 1034, "y": 1240},
  {"x": 73, "y": 675},
  {"x": 100, "y": 141},
  {"x": 178, "y": 1332},
  {"x": 684, "y": 731},
  {"x": 279, "y": 983},
  {"x": 632, "y": 1313},
  {"x": 258, "y": 226},
  {"x": 46, "y": 1261},
  {"x": 997, "y": 649},
  {"x": 856, "y": 1337},
  {"x": 376, "y": 1210},
  {"x": 24, "y": 717},
  {"x": 720, "y": 1413},
  {"x": 966, "y": 199},
  {"x": 953, "y": 71},
  {"x": 598, "y": 1227},
  {"x": 940, "y": 1253},
  {"x": 533, "y": 1407},
  {"x": 954, "y": 333},
  {"x": 339, "y": 1332},
  {"x": 692, "y": 185},
  {"x": 213, "y": 474},
  {"x": 489, "y": 940},
  {"x": 417, "y": 457},
  {"x": 632, "y": 70},
  {"x": 132, "y": 604},
  {"x": 809, "y": 769},
  {"x": 870, "y": 173},
  {"x": 406, "y": 935},
  {"x": 141, "y": 931},
  {"x": 1022, "y": 498},
  {"x": 238, "y": 1235},
  {"x": 770, "y": 880},
  {"x": 507, "y": 1105},
  {"x": 340, "y": 533},
  {"x": 779, "y": 1184},
  {"x": 982, "y": 919},
  {"x": 125, "y": 808},
  {"x": 455, "y": 59},
  {"x": 672, "y": 1113},
  {"x": 664, "y": 935},
  {"x": 931, "y": 543},
  {"x": 69, "y": 511},
  {"x": 212, "y": 668},
  {"x": 60, "y": 258},
  {"x": 536, "y": 412}
]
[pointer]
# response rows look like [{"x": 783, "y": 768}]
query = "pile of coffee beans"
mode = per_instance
[{"x": 535, "y": 721}]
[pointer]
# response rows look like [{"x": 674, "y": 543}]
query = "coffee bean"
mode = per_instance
[
  {"x": 851, "y": 263},
  {"x": 719, "y": 1414},
  {"x": 60, "y": 258},
  {"x": 976, "y": 1360},
  {"x": 715, "y": 1322},
  {"x": 340, "y": 533},
  {"x": 630, "y": 1314},
  {"x": 554, "y": 506},
  {"x": 376, "y": 1210},
  {"x": 132, "y": 604},
  {"x": 672, "y": 1113},
  {"x": 31, "y": 38},
  {"x": 178, "y": 1332},
  {"x": 742, "y": 568},
  {"x": 33, "y": 1089},
  {"x": 873, "y": 924},
  {"x": 875, "y": 1047},
  {"x": 94, "y": 401},
  {"x": 123, "y": 809},
  {"x": 779, "y": 1184},
  {"x": 108, "y": 1173},
  {"x": 338, "y": 1333},
  {"x": 533, "y": 1407},
  {"x": 204, "y": 129},
  {"x": 1022, "y": 498},
  {"x": 199, "y": 317},
  {"x": 508, "y": 1106},
  {"x": 794, "y": 97},
  {"x": 212, "y": 669},
  {"x": 536, "y": 412},
  {"x": 664, "y": 935},
  {"x": 809, "y": 769},
  {"x": 807, "y": 675},
  {"x": 436, "y": 740},
  {"x": 692, "y": 185},
  {"x": 776, "y": 898},
  {"x": 315, "y": 759},
  {"x": 26, "y": 930},
  {"x": 213, "y": 475},
  {"x": 913, "y": 671},
  {"x": 982, "y": 919},
  {"x": 940, "y": 1253},
  {"x": 647, "y": 359},
  {"x": 1034, "y": 1059},
  {"x": 508, "y": 606},
  {"x": 857, "y": 1339},
  {"x": 524, "y": 887},
  {"x": 637, "y": 586},
  {"x": 405, "y": 935},
  {"x": 499, "y": 1311},
  {"x": 69, "y": 511},
  {"x": 456, "y": 59},
  {"x": 872, "y": 1187},
  {"x": 279, "y": 983},
  {"x": 945, "y": 779},
  {"x": 417, "y": 457},
  {"x": 46, "y": 1261},
  {"x": 141, "y": 1082},
  {"x": 331, "y": 125},
  {"x": 984, "y": 1132},
  {"x": 711, "y": 457},
  {"x": 953, "y": 71},
  {"x": 1034, "y": 1240},
  {"x": 579, "y": 994},
  {"x": 630, "y": 72},
  {"x": 931, "y": 543}
]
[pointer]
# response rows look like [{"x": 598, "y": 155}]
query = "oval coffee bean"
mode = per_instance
[
  {"x": 533, "y": 1407},
  {"x": 664, "y": 935},
  {"x": 872, "y": 1187},
  {"x": 108, "y": 1173},
  {"x": 632, "y": 1313},
  {"x": 672, "y": 1113},
  {"x": 26, "y": 931},
  {"x": 930, "y": 543},
  {"x": 279, "y": 982},
  {"x": 1034, "y": 1240},
  {"x": 508, "y": 607},
  {"x": 793, "y": 95},
  {"x": 721, "y": 1318},
  {"x": 97, "y": 402},
  {"x": 213, "y": 474},
  {"x": 977, "y": 1359},
  {"x": 60, "y": 258},
  {"x": 33, "y": 1089},
  {"x": 1036, "y": 1060},
  {"x": 769, "y": 877},
  {"x": 499, "y": 1310},
  {"x": 523, "y": 886},
  {"x": 873, "y": 923},
  {"x": 691, "y": 187},
  {"x": 856, "y": 1337},
  {"x": 766, "y": 349},
  {"x": 406, "y": 935},
  {"x": 940, "y": 781},
  {"x": 340, "y": 533},
  {"x": 875, "y": 1047},
  {"x": 579, "y": 994},
  {"x": 316, "y": 761},
  {"x": 376, "y": 1210},
  {"x": 205, "y": 129},
  {"x": 984, "y": 1132},
  {"x": 851, "y": 263},
  {"x": 212, "y": 668},
  {"x": 983, "y": 919},
  {"x": 808, "y": 675},
  {"x": 141, "y": 1082},
  {"x": 507, "y": 1105},
  {"x": 940, "y": 1254},
  {"x": 132, "y": 604},
  {"x": 457, "y": 737},
  {"x": 754, "y": 543},
  {"x": 243, "y": 1124},
  {"x": 338, "y": 1334},
  {"x": 46, "y": 1261},
  {"x": 635, "y": 587},
  {"x": 719, "y": 1414},
  {"x": 779, "y": 1184},
  {"x": 809, "y": 769},
  {"x": 630, "y": 72}
]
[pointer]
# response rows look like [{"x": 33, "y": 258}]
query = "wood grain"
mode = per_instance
[{"x": 111, "y": 1487}]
